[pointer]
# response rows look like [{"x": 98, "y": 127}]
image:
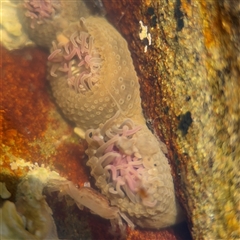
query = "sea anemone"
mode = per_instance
[
  {"x": 78, "y": 58},
  {"x": 39, "y": 10},
  {"x": 131, "y": 169},
  {"x": 44, "y": 19}
]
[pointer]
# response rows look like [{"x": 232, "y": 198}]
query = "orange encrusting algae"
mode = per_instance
[
  {"x": 25, "y": 123},
  {"x": 23, "y": 85},
  {"x": 24, "y": 102},
  {"x": 74, "y": 168}
]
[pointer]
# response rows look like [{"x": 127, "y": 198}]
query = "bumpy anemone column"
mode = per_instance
[
  {"x": 131, "y": 169},
  {"x": 43, "y": 19},
  {"x": 92, "y": 74}
]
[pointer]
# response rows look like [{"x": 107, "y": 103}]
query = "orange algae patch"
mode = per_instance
[
  {"x": 69, "y": 161},
  {"x": 24, "y": 97},
  {"x": 12, "y": 138},
  {"x": 186, "y": 7},
  {"x": 23, "y": 101},
  {"x": 173, "y": 233}
]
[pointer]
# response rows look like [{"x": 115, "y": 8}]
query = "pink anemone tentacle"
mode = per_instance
[
  {"x": 122, "y": 169},
  {"x": 81, "y": 59},
  {"x": 40, "y": 10}
]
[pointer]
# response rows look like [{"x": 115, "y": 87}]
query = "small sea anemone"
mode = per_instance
[
  {"x": 44, "y": 19},
  {"x": 78, "y": 58},
  {"x": 39, "y": 10}
]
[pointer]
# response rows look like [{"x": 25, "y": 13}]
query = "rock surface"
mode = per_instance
[{"x": 192, "y": 72}]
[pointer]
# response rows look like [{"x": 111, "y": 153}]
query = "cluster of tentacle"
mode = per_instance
[
  {"x": 116, "y": 157},
  {"x": 40, "y": 9},
  {"x": 78, "y": 59}
]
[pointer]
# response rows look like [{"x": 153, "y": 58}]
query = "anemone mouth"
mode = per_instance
[
  {"x": 40, "y": 10},
  {"x": 78, "y": 59}
]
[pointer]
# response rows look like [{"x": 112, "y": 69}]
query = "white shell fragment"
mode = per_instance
[
  {"x": 144, "y": 34},
  {"x": 143, "y": 31}
]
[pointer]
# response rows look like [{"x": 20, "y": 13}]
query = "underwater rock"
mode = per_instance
[
  {"x": 192, "y": 66},
  {"x": 32, "y": 206},
  {"x": 32, "y": 215}
]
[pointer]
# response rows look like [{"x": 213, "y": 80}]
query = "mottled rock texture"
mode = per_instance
[{"x": 189, "y": 81}]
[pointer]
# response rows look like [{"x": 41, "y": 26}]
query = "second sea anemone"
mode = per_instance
[{"x": 39, "y": 10}]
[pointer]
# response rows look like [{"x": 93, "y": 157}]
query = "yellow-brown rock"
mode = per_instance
[{"x": 189, "y": 80}]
